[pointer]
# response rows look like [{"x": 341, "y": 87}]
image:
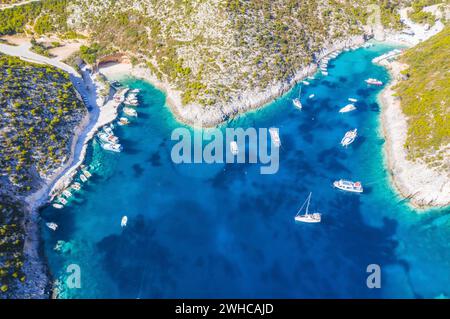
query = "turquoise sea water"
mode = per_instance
[{"x": 224, "y": 230}]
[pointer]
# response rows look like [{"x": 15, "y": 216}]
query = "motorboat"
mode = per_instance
[
  {"x": 124, "y": 221},
  {"x": 52, "y": 226},
  {"x": 234, "y": 148},
  {"x": 347, "y": 108},
  {"x": 275, "y": 136},
  {"x": 372, "y": 81},
  {"x": 348, "y": 186},
  {"x": 349, "y": 137}
]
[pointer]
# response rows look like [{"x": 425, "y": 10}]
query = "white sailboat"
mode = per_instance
[
  {"x": 307, "y": 217},
  {"x": 297, "y": 103}
]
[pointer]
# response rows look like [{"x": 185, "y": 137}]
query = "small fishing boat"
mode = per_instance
[
  {"x": 135, "y": 91},
  {"x": 348, "y": 186},
  {"x": 305, "y": 82},
  {"x": 62, "y": 200},
  {"x": 347, "y": 108},
  {"x": 124, "y": 221},
  {"x": 67, "y": 193},
  {"x": 311, "y": 96},
  {"x": 83, "y": 178},
  {"x": 129, "y": 111},
  {"x": 234, "y": 148},
  {"x": 349, "y": 137},
  {"x": 52, "y": 226},
  {"x": 123, "y": 121},
  {"x": 307, "y": 217},
  {"x": 353, "y": 100},
  {"x": 324, "y": 73},
  {"x": 372, "y": 81},
  {"x": 76, "y": 186},
  {"x": 274, "y": 136},
  {"x": 58, "y": 205}
]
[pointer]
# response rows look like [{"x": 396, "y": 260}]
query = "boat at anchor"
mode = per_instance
[
  {"x": 234, "y": 148},
  {"x": 124, "y": 221},
  {"x": 349, "y": 137},
  {"x": 297, "y": 103},
  {"x": 52, "y": 226},
  {"x": 129, "y": 111},
  {"x": 347, "y": 108},
  {"x": 372, "y": 81},
  {"x": 274, "y": 136},
  {"x": 348, "y": 186},
  {"x": 307, "y": 217}
]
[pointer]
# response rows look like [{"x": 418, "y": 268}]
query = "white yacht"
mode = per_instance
[
  {"x": 348, "y": 186},
  {"x": 306, "y": 82},
  {"x": 349, "y": 137},
  {"x": 86, "y": 173},
  {"x": 129, "y": 111},
  {"x": 353, "y": 100},
  {"x": 76, "y": 186},
  {"x": 62, "y": 200},
  {"x": 347, "y": 108},
  {"x": 135, "y": 91},
  {"x": 324, "y": 73},
  {"x": 123, "y": 121},
  {"x": 113, "y": 147},
  {"x": 311, "y": 96},
  {"x": 371, "y": 81},
  {"x": 274, "y": 136},
  {"x": 124, "y": 221},
  {"x": 58, "y": 205},
  {"x": 83, "y": 178},
  {"x": 307, "y": 217},
  {"x": 234, "y": 148},
  {"x": 52, "y": 226},
  {"x": 67, "y": 193},
  {"x": 131, "y": 102},
  {"x": 107, "y": 138}
]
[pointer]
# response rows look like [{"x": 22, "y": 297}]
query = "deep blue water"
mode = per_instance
[{"x": 225, "y": 230}]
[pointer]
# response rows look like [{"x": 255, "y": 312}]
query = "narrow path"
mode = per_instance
[
  {"x": 12, "y": 5},
  {"x": 99, "y": 114}
]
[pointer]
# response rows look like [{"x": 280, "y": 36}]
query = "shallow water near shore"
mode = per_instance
[{"x": 225, "y": 230}]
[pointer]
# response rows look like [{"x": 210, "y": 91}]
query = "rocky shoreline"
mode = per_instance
[
  {"x": 423, "y": 186},
  {"x": 211, "y": 116}
]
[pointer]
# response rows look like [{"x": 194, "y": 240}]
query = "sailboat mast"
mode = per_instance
[{"x": 307, "y": 205}]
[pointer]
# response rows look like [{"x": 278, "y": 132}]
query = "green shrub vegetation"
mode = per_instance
[
  {"x": 39, "y": 110},
  {"x": 425, "y": 95}
]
